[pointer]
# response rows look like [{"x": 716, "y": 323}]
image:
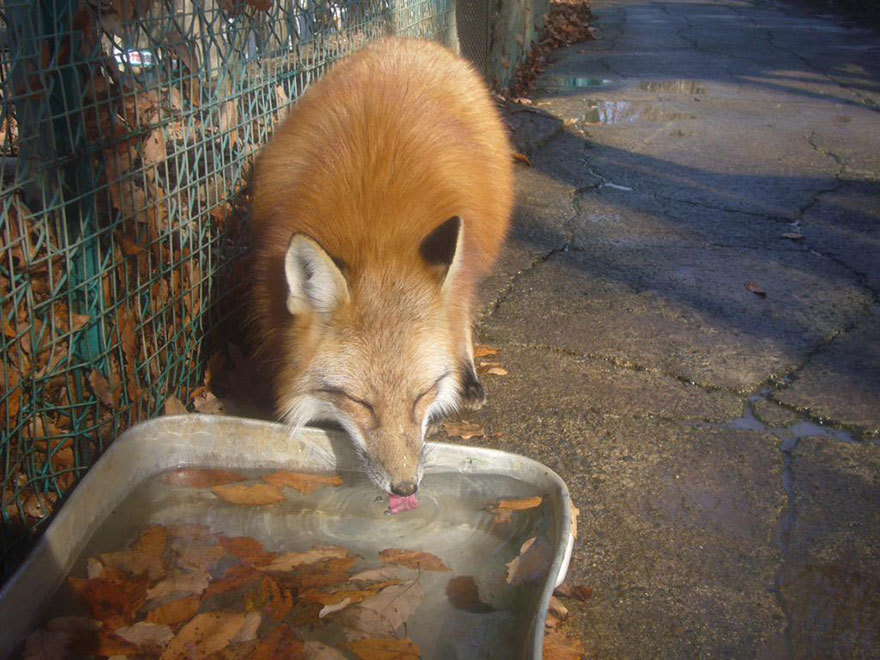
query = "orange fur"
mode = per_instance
[{"x": 392, "y": 142}]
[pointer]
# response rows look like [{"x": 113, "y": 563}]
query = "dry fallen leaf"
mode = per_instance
[
  {"x": 101, "y": 388},
  {"x": 482, "y": 350},
  {"x": 463, "y": 594},
  {"x": 388, "y": 648},
  {"x": 205, "y": 634},
  {"x": 581, "y": 592},
  {"x": 532, "y": 562},
  {"x": 559, "y": 610},
  {"x": 522, "y": 158},
  {"x": 755, "y": 288},
  {"x": 495, "y": 371},
  {"x": 560, "y": 647},
  {"x": 464, "y": 430},
  {"x": 793, "y": 236},
  {"x": 423, "y": 561},
  {"x": 575, "y": 513},
  {"x": 174, "y": 406},
  {"x": 302, "y": 481},
  {"x": 201, "y": 478},
  {"x": 249, "y": 495}
]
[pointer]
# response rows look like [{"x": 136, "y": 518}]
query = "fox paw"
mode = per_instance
[{"x": 473, "y": 394}]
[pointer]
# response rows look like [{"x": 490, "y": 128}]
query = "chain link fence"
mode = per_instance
[{"x": 127, "y": 128}]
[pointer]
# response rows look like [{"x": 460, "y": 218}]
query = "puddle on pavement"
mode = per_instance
[
  {"x": 788, "y": 434},
  {"x": 562, "y": 83},
  {"x": 674, "y": 86},
  {"x": 627, "y": 112}
]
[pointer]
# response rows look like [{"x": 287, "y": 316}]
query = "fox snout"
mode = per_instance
[{"x": 394, "y": 459}]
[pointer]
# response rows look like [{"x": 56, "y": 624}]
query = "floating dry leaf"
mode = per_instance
[
  {"x": 756, "y": 288},
  {"x": 304, "y": 482},
  {"x": 291, "y": 560},
  {"x": 423, "y": 561},
  {"x": 201, "y": 478},
  {"x": 388, "y": 648},
  {"x": 560, "y": 647},
  {"x": 532, "y": 562},
  {"x": 464, "y": 430},
  {"x": 249, "y": 495},
  {"x": 175, "y": 612},
  {"x": 517, "y": 503},
  {"x": 205, "y": 634},
  {"x": 463, "y": 594}
]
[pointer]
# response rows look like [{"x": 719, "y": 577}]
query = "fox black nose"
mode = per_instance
[{"x": 404, "y": 489}]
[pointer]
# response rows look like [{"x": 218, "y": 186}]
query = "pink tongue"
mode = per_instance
[{"x": 398, "y": 504}]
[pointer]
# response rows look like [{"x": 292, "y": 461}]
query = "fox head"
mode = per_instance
[{"x": 372, "y": 347}]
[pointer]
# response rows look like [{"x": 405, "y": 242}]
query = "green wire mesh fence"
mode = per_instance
[{"x": 126, "y": 131}]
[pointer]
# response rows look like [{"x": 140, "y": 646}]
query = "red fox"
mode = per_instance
[{"x": 379, "y": 204}]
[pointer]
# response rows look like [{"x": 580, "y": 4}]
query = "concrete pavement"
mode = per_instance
[{"x": 721, "y": 445}]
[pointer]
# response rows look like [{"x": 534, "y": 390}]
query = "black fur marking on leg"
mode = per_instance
[{"x": 473, "y": 394}]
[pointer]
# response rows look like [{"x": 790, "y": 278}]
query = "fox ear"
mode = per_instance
[
  {"x": 314, "y": 281},
  {"x": 443, "y": 248}
]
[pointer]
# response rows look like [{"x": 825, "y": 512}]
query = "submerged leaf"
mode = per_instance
[
  {"x": 205, "y": 634},
  {"x": 388, "y": 648},
  {"x": 249, "y": 495},
  {"x": 201, "y": 478},
  {"x": 302, "y": 481},
  {"x": 424, "y": 561},
  {"x": 463, "y": 594},
  {"x": 532, "y": 562},
  {"x": 291, "y": 560}
]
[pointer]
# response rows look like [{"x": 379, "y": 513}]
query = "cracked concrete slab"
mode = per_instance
[
  {"x": 841, "y": 382},
  {"x": 683, "y": 311},
  {"x": 691, "y": 149},
  {"x": 829, "y": 583}
]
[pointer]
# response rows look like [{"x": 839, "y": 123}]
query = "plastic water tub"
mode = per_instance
[{"x": 205, "y": 441}]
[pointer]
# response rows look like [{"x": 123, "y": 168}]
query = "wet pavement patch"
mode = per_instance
[{"x": 563, "y": 83}]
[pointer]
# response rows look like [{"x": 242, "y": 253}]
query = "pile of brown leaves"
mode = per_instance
[
  {"x": 567, "y": 23},
  {"x": 185, "y": 590}
]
